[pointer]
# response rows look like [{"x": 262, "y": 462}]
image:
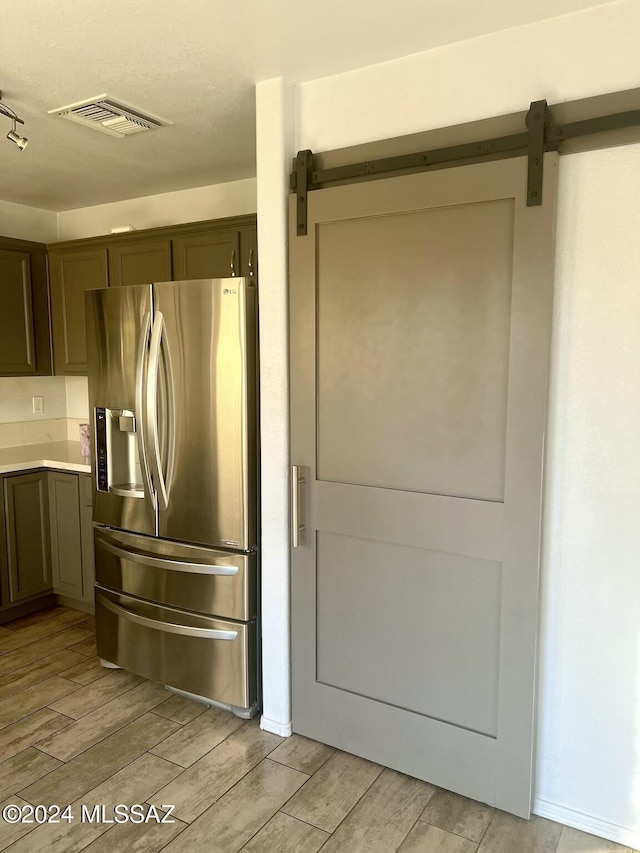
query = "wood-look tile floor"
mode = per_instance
[{"x": 74, "y": 733}]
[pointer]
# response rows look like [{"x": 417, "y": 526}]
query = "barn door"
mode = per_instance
[{"x": 420, "y": 329}]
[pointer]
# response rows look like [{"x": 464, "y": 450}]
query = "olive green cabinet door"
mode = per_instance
[
  {"x": 249, "y": 252},
  {"x": 210, "y": 254},
  {"x": 72, "y": 273},
  {"x": 27, "y": 531},
  {"x": 66, "y": 543},
  {"x": 4, "y": 567},
  {"x": 86, "y": 536},
  {"x": 17, "y": 332},
  {"x": 140, "y": 262}
]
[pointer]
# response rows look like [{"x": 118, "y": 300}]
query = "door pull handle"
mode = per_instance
[
  {"x": 233, "y": 263},
  {"x": 298, "y": 529}
]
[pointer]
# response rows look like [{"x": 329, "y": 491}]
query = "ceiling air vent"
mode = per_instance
[{"x": 108, "y": 116}]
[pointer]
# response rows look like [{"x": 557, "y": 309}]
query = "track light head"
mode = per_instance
[
  {"x": 13, "y": 136},
  {"x": 20, "y": 141}
]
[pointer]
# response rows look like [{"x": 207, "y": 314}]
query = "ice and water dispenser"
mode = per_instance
[{"x": 118, "y": 468}]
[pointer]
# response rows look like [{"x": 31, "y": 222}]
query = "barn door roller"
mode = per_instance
[
  {"x": 537, "y": 120},
  {"x": 304, "y": 160},
  {"x": 541, "y": 135}
]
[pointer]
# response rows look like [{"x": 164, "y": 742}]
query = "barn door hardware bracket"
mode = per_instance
[
  {"x": 538, "y": 120},
  {"x": 541, "y": 134},
  {"x": 300, "y": 180}
]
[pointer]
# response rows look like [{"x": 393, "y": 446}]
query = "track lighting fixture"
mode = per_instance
[{"x": 13, "y": 136}]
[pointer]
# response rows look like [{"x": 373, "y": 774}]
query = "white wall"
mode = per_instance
[
  {"x": 18, "y": 424},
  {"x": 589, "y": 733},
  {"x": 16, "y": 397},
  {"x": 562, "y": 59},
  {"x": 275, "y": 127},
  {"x": 27, "y": 223},
  {"x": 588, "y": 767},
  {"x": 235, "y": 198},
  {"x": 77, "y": 390},
  {"x": 66, "y": 404}
]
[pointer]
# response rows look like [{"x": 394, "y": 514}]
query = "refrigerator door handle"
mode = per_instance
[
  {"x": 140, "y": 404},
  {"x": 168, "y": 627},
  {"x": 160, "y": 563},
  {"x": 171, "y": 421},
  {"x": 152, "y": 410}
]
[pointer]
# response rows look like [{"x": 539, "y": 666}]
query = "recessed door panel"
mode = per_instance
[
  {"x": 422, "y": 633},
  {"x": 397, "y": 293}
]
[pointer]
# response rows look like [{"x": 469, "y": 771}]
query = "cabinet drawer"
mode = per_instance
[{"x": 209, "y": 657}]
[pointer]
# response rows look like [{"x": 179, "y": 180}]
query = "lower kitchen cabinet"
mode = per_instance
[
  {"x": 46, "y": 542},
  {"x": 71, "y": 535},
  {"x": 66, "y": 541},
  {"x": 27, "y": 535},
  {"x": 86, "y": 537}
]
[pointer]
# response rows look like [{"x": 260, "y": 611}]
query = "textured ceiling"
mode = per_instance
[{"x": 194, "y": 63}]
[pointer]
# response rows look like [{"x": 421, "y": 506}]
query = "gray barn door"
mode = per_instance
[{"x": 420, "y": 329}]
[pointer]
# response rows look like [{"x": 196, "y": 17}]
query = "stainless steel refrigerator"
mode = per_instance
[{"x": 172, "y": 394}]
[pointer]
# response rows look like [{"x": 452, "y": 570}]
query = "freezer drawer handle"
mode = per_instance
[
  {"x": 173, "y": 565},
  {"x": 168, "y": 627}
]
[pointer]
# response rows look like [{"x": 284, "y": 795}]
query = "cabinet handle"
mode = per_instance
[
  {"x": 297, "y": 529},
  {"x": 251, "y": 262},
  {"x": 233, "y": 262}
]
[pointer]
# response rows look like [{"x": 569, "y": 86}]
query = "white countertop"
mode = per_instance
[{"x": 61, "y": 455}]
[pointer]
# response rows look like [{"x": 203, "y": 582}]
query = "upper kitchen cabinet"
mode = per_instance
[
  {"x": 207, "y": 254},
  {"x": 212, "y": 249},
  {"x": 72, "y": 272},
  {"x": 140, "y": 262},
  {"x": 249, "y": 251},
  {"x": 25, "y": 344}
]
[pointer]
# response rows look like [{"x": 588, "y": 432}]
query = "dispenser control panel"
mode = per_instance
[{"x": 101, "y": 450}]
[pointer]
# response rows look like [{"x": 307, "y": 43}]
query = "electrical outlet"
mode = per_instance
[{"x": 38, "y": 405}]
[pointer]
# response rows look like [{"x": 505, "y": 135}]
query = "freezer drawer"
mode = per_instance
[
  {"x": 208, "y": 657},
  {"x": 215, "y": 583}
]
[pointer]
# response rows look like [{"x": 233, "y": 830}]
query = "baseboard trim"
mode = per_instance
[
  {"x": 276, "y": 728},
  {"x": 87, "y": 607},
  {"x": 587, "y": 823}
]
